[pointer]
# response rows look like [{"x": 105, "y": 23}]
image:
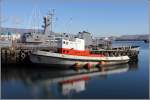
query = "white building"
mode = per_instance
[{"x": 76, "y": 44}]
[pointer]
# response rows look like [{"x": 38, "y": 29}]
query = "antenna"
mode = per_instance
[
  {"x": 48, "y": 22},
  {"x": 67, "y": 25},
  {"x": 34, "y": 19},
  {"x": 51, "y": 15}
]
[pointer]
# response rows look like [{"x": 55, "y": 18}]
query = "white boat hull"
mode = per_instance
[{"x": 48, "y": 58}]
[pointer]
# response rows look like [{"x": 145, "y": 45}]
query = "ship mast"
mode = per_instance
[
  {"x": 36, "y": 20},
  {"x": 48, "y": 22},
  {"x": 51, "y": 19},
  {"x": 48, "y": 26}
]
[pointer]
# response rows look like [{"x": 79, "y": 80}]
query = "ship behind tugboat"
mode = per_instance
[{"x": 64, "y": 51}]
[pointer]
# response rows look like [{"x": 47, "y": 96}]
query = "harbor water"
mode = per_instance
[{"x": 125, "y": 81}]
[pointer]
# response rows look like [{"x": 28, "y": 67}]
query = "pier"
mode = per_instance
[
  {"x": 145, "y": 40},
  {"x": 20, "y": 54}
]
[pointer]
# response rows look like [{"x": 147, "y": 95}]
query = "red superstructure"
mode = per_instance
[
  {"x": 75, "y": 47},
  {"x": 78, "y": 52}
]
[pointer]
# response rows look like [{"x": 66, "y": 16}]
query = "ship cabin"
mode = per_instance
[{"x": 74, "y": 47}]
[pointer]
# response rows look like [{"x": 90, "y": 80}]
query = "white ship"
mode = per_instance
[{"x": 72, "y": 52}]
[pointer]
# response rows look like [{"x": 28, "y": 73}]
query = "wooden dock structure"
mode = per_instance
[{"x": 18, "y": 54}]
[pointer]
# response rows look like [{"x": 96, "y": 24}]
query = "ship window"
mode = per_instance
[
  {"x": 67, "y": 43},
  {"x": 64, "y": 42}
]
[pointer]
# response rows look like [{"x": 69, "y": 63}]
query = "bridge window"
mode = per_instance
[{"x": 67, "y": 43}]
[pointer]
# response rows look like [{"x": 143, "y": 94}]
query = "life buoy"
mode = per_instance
[
  {"x": 77, "y": 65},
  {"x": 103, "y": 62},
  {"x": 23, "y": 55},
  {"x": 88, "y": 66}
]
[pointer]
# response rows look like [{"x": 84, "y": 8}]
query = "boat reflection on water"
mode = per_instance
[
  {"x": 77, "y": 83},
  {"x": 65, "y": 82}
]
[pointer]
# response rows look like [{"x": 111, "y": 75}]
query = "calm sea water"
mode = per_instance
[{"x": 120, "y": 81}]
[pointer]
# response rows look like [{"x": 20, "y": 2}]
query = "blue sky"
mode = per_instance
[{"x": 100, "y": 17}]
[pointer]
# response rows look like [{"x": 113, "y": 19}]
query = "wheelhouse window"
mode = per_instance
[{"x": 67, "y": 43}]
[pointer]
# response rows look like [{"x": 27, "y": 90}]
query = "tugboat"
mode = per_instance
[{"x": 72, "y": 52}]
